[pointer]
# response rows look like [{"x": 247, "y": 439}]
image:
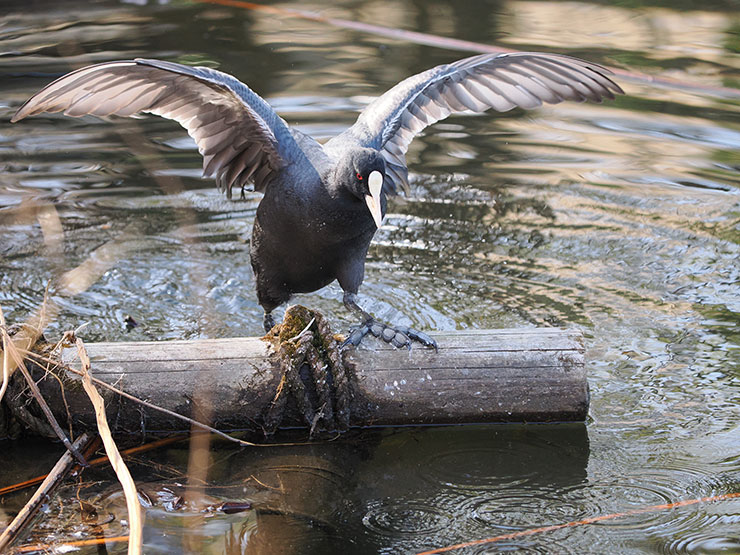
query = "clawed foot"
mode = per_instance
[{"x": 398, "y": 336}]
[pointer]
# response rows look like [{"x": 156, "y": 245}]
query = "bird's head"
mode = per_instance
[{"x": 364, "y": 175}]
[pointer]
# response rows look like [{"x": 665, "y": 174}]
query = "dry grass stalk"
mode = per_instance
[
  {"x": 24, "y": 340},
  {"x": 135, "y": 516},
  {"x": 18, "y": 361},
  {"x": 6, "y": 355}
]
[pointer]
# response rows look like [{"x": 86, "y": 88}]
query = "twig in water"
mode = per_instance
[
  {"x": 79, "y": 543},
  {"x": 97, "y": 461},
  {"x": 135, "y": 520},
  {"x": 143, "y": 448},
  {"x": 53, "y": 479},
  {"x": 592, "y": 520}
]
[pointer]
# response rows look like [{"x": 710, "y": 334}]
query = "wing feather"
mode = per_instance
[
  {"x": 525, "y": 80},
  {"x": 238, "y": 134}
]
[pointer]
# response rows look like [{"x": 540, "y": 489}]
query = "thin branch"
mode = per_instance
[
  {"x": 52, "y": 481},
  {"x": 592, "y": 520},
  {"x": 6, "y": 359},
  {"x": 97, "y": 461},
  {"x": 19, "y": 361},
  {"x": 33, "y": 548},
  {"x": 142, "y": 448},
  {"x": 49, "y": 373}
]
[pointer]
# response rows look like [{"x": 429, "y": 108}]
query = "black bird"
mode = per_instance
[{"x": 322, "y": 203}]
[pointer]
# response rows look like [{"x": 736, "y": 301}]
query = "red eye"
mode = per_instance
[{"x": 359, "y": 176}]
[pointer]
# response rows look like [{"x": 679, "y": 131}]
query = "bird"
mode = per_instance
[{"x": 322, "y": 203}]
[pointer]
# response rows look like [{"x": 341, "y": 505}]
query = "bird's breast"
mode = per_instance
[{"x": 303, "y": 244}]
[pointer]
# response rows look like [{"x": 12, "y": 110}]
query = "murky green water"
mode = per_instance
[{"x": 621, "y": 219}]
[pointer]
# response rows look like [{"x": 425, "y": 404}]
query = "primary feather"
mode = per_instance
[
  {"x": 476, "y": 84},
  {"x": 239, "y": 135}
]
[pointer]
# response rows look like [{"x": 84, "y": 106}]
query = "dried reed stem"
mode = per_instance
[{"x": 135, "y": 517}]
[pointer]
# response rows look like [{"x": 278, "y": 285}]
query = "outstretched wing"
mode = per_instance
[
  {"x": 476, "y": 84},
  {"x": 241, "y": 138}
]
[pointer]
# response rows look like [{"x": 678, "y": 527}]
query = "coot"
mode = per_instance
[{"x": 322, "y": 203}]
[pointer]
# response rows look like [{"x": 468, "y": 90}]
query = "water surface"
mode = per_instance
[{"x": 620, "y": 219}]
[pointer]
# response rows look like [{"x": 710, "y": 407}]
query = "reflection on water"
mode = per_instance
[{"x": 621, "y": 219}]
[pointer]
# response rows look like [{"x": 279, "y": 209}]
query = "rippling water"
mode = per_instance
[{"x": 621, "y": 219}]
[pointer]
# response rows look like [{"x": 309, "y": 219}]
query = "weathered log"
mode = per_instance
[{"x": 512, "y": 375}]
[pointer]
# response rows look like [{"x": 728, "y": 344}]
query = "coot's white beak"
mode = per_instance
[{"x": 375, "y": 184}]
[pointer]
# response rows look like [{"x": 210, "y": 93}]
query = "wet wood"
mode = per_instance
[
  {"x": 42, "y": 495},
  {"x": 512, "y": 375}
]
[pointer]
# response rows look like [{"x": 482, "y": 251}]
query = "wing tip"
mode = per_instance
[
  {"x": 28, "y": 108},
  {"x": 617, "y": 88},
  {"x": 604, "y": 72},
  {"x": 31, "y": 106}
]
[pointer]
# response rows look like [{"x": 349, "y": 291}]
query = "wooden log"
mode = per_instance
[{"x": 510, "y": 375}]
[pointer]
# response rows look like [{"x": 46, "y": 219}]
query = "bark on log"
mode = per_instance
[{"x": 511, "y": 375}]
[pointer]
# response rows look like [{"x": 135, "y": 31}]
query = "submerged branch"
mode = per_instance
[
  {"x": 97, "y": 461},
  {"x": 585, "y": 521},
  {"x": 52, "y": 481}
]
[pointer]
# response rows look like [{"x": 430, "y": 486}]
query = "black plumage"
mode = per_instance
[{"x": 322, "y": 203}]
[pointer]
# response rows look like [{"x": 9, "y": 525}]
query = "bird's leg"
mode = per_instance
[
  {"x": 268, "y": 321},
  {"x": 398, "y": 336}
]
